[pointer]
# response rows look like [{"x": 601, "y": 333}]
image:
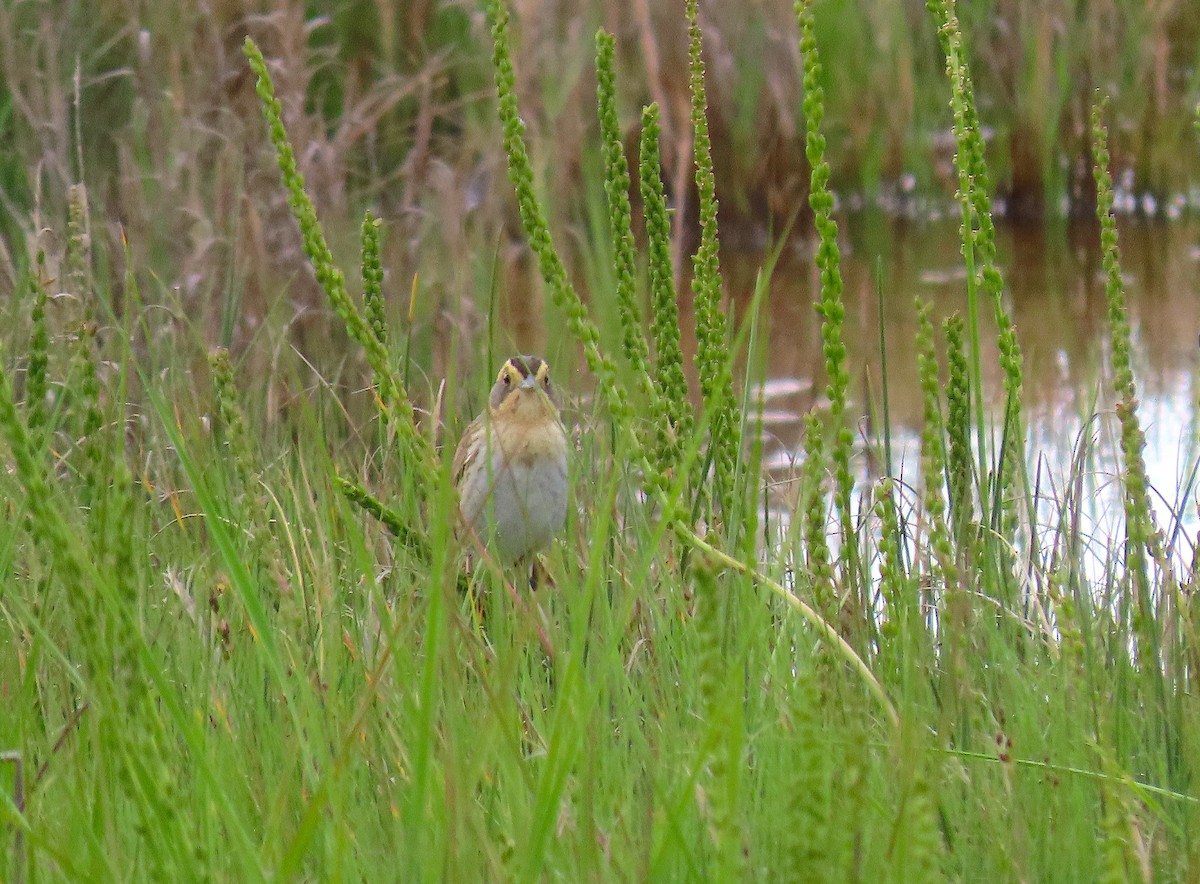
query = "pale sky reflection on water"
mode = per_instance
[{"x": 1055, "y": 286}]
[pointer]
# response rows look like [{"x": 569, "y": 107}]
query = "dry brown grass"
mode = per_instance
[{"x": 390, "y": 107}]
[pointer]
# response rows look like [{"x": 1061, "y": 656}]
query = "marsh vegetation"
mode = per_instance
[{"x": 828, "y": 606}]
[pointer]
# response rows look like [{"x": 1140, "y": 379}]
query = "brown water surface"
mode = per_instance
[{"x": 1056, "y": 295}]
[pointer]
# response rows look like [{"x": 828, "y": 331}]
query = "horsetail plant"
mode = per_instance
[
  {"x": 393, "y": 401},
  {"x": 39, "y": 348},
  {"x": 373, "y": 506},
  {"x": 958, "y": 432},
  {"x": 720, "y": 762},
  {"x": 86, "y": 409},
  {"x": 82, "y": 383},
  {"x": 1139, "y": 521},
  {"x": 831, "y": 308},
  {"x": 979, "y": 252},
  {"x": 953, "y": 610},
  {"x": 808, "y": 842},
  {"x": 262, "y": 541},
  {"x": 933, "y": 451},
  {"x": 115, "y": 514},
  {"x": 962, "y": 108},
  {"x": 893, "y": 577},
  {"x": 712, "y": 337},
  {"x": 79, "y": 244},
  {"x": 372, "y": 277},
  {"x": 374, "y": 305},
  {"x": 901, "y": 631},
  {"x": 52, "y": 532},
  {"x": 816, "y": 517},
  {"x": 20, "y": 857},
  {"x": 620, "y": 217},
  {"x": 232, "y": 420},
  {"x": 917, "y": 841},
  {"x": 675, "y": 418},
  {"x": 1117, "y": 825},
  {"x": 120, "y": 516}
]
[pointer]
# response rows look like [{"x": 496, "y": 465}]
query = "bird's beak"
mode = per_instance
[{"x": 529, "y": 383}]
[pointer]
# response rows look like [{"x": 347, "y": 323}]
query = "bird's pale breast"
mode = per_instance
[{"x": 527, "y": 506}]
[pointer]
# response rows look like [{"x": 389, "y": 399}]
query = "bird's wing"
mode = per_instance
[{"x": 467, "y": 450}]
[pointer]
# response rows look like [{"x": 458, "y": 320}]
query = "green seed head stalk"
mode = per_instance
[
  {"x": 1138, "y": 514},
  {"x": 372, "y": 277},
  {"x": 831, "y": 307},
  {"x": 675, "y": 423},
  {"x": 620, "y": 216},
  {"x": 816, "y": 517},
  {"x": 933, "y": 450},
  {"x": 39, "y": 348},
  {"x": 394, "y": 403},
  {"x": 716, "y": 379},
  {"x": 958, "y": 407}
]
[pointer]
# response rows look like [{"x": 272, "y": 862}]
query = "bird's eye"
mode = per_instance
[
  {"x": 507, "y": 379},
  {"x": 546, "y": 380}
]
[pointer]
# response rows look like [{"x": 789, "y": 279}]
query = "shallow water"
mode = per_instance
[{"x": 1055, "y": 286}]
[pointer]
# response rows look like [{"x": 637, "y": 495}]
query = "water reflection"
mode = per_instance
[{"x": 1057, "y": 297}]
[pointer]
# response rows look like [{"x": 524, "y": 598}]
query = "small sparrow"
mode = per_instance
[{"x": 510, "y": 467}]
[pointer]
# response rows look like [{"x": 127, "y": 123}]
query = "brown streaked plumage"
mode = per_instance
[{"x": 510, "y": 466}]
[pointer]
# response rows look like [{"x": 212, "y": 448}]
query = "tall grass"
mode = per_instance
[{"x": 225, "y": 657}]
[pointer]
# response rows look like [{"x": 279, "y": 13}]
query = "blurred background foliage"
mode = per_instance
[{"x": 391, "y": 107}]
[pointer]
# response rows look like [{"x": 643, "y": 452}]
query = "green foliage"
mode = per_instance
[
  {"x": 720, "y": 763},
  {"x": 958, "y": 431},
  {"x": 53, "y": 534},
  {"x": 84, "y": 414},
  {"x": 667, "y": 711},
  {"x": 830, "y": 307},
  {"x": 393, "y": 397},
  {"x": 810, "y": 838},
  {"x": 1139, "y": 519},
  {"x": 933, "y": 451},
  {"x": 674, "y": 421},
  {"x": 999, "y": 479},
  {"x": 372, "y": 277},
  {"x": 712, "y": 332},
  {"x": 816, "y": 517},
  {"x": 247, "y": 498},
  {"x": 93, "y": 572},
  {"x": 620, "y": 216},
  {"x": 979, "y": 252},
  {"x": 1117, "y": 827},
  {"x": 894, "y": 585},
  {"x": 39, "y": 349},
  {"x": 376, "y": 508},
  {"x": 917, "y": 840}
]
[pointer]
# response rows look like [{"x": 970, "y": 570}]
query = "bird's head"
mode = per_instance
[{"x": 524, "y": 389}]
